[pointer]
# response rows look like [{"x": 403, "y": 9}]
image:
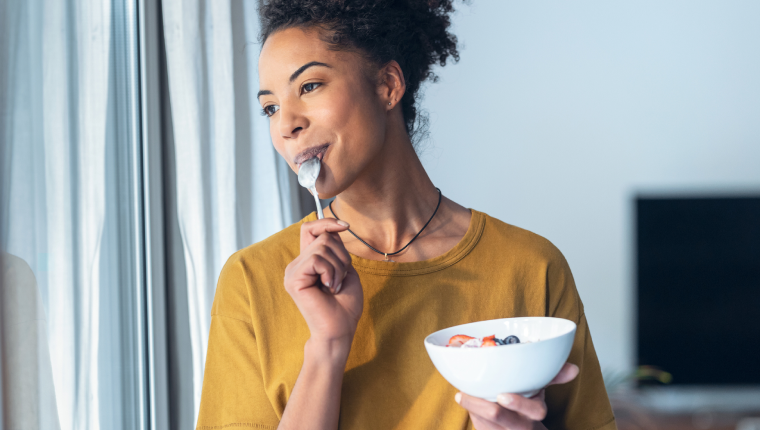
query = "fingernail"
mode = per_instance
[
  {"x": 504, "y": 399},
  {"x": 327, "y": 284},
  {"x": 458, "y": 397},
  {"x": 337, "y": 289},
  {"x": 343, "y": 223},
  {"x": 344, "y": 275}
]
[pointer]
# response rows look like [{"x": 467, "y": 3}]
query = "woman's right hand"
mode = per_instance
[{"x": 324, "y": 285}]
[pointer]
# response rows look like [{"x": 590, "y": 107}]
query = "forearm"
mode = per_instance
[{"x": 315, "y": 401}]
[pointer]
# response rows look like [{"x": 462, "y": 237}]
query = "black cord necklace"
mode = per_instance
[{"x": 386, "y": 254}]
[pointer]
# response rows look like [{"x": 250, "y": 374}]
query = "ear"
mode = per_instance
[{"x": 392, "y": 84}]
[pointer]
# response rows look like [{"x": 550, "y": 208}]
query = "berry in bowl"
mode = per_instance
[
  {"x": 509, "y": 355},
  {"x": 464, "y": 341}
]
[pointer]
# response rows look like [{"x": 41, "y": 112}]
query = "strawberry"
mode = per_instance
[
  {"x": 489, "y": 341},
  {"x": 459, "y": 339}
]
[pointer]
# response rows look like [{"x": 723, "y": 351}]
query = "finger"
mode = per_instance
[
  {"x": 317, "y": 268},
  {"x": 335, "y": 243},
  {"x": 541, "y": 395},
  {"x": 568, "y": 372},
  {"x": 533, "y": 408},
  {"x": 350, "y": 281},
  {"x": 494, "y": 413},
  {"x": 312, "y": 229},
  {"x": 480, "y": 423},
  {"x": 342, "y": 259},
  {"x": 339, "y": 268}
]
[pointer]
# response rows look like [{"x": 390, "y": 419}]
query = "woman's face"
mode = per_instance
[{"x": 321, "y": 103}]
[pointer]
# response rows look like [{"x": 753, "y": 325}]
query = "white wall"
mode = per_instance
[{"x": 578, "y": 106}]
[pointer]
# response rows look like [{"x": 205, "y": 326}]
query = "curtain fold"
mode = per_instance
[
  {"x": 197, "y": 181},
  {"x": 56, "y": 113},
  {"x": 66, "y": 246},
  {"x": 69, "y": 200},
  {"x": 231, "y": 190}
]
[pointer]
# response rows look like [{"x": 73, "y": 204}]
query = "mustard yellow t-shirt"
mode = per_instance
[{"x": 255, "y": 349}]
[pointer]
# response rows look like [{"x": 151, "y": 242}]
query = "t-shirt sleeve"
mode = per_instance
[
  {"x": 233, "y": 394},
  {"x": 583, "y": 403}
]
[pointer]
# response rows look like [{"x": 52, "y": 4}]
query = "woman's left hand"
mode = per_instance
[{"x": 513, "y": 411}]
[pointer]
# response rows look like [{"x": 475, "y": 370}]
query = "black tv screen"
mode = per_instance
[{"x": 698, "y": 276}]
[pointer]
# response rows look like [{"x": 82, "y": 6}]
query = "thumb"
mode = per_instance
[
  {"x": 313, "y": 229},
  {"x": 568, "y": 372}
]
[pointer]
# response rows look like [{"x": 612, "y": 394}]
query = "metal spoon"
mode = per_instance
[{"x": 307, "y": 177}]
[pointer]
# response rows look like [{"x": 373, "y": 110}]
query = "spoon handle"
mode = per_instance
[{"x": 313, "y": 190}]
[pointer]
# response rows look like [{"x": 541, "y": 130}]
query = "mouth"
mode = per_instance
[{"x": 314, "y": 151}]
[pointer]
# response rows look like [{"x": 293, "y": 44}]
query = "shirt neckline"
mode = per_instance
[{"x": 447, "y": 259}]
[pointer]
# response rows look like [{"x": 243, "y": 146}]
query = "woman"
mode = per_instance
[{"x": 321, "y": 325}]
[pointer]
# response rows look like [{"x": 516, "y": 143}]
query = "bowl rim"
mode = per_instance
[{"x": 572, "y": 326}]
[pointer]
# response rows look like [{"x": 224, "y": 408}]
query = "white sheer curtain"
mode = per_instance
[
  {"x": 231, "y": 188},
  {"x": 66, "y": 276}
]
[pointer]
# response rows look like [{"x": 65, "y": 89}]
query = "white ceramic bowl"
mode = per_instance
[{"x": 523, "y": 368}]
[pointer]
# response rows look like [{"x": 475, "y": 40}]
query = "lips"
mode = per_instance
[{"x": 314, "y": 151}]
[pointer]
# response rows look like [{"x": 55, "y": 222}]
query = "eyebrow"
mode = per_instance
[{"x": 296, "y": 74}]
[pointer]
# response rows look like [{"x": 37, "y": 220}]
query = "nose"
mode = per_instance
[{"x": 292, "y": 121}]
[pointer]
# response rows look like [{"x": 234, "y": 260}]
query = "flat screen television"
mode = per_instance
[{"x": 698, "y": 288}]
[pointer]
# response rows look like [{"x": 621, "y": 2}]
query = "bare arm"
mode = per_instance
[
  {"x": 315, "y": 401},
  {"x": 328, "y": 293}
]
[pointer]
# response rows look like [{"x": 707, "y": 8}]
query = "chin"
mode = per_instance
[
  {"x": 327, "y": 192},
  {"x": 329, "y": 188},
  {"x": 337, "y": 175}
]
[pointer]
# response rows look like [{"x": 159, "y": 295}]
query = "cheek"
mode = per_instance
[
  {"x": 355, "y": 118},
  {"x": 352, "y": 103},
  {"x": 335, "y": 112}
]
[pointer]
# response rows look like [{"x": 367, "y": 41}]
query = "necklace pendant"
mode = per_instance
[{"x": 387, "y": 260}]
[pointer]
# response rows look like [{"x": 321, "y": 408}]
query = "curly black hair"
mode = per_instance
[{"x": 414, "y": 33}]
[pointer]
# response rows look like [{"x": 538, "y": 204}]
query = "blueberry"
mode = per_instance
[{"x": 511, "y": 339}]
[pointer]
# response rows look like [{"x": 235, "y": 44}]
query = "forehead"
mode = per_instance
[{"x": 287, "y": 50}]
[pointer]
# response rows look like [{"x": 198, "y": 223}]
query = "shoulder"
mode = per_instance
[
  {"x": 536, "y": 261},
  {"x": 253, "y": 268},
  {"x": 281, "y": 246},
  {"x": 507, "y": 238},
  {"x": 19, "y": 286},
  {"x": 15, "y": 270}
]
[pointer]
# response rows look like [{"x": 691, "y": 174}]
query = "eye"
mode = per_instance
[
  {"x": 270, "y": 110},
  {"x": 311, "y": 86}
]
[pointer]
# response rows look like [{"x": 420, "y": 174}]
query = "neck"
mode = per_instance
[{"x": 391, "y": 200}]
